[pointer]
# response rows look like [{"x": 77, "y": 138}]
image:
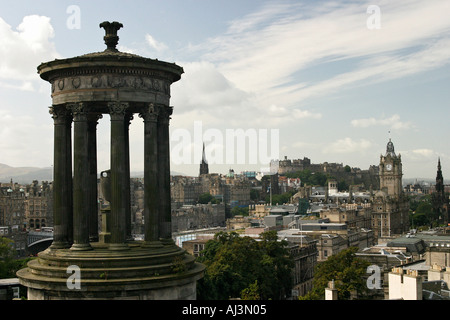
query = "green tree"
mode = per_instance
[
  {"x": 239, "y": 211},
  {"x": 254, "y": 195},
  {"x": 9, "y": 265},
  {"x": 419, "y": 220},
  {"x": 309, "y": 177},
  {"x": 251, "y": 293},
  {"x": 347, "y": 271},
  {"x": 343, "y": 185},
  {"x": 6, "y": 257},
  {"x": 206, "y": 198},
  {"x": 280, "y": 198},
  {"x": 426, "y": 209},
  {"x": 241, "y": 266}
]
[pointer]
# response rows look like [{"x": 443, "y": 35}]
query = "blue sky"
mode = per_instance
[{"x": 333, "y": 89}]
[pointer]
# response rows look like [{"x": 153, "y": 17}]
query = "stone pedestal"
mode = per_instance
[
  {"x": 105, "y": 234},
  {"x": 138, "y": 273}
]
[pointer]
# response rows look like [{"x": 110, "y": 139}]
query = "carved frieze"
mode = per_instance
[{"x": 108, "y": 81}]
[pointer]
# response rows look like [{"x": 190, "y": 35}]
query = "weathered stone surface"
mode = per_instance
[{"x": 138, "y": 273}]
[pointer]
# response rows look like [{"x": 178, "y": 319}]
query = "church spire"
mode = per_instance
[
  {"x": 439, "y": 179},
  {"x": 203, "y": 155},
  {"x": 204, "y": 164}
]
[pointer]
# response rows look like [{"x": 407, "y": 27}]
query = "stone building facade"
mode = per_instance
[
  {"x": 200, "y": 216},
  {"x": 232, "y": 190},
  {"x": 27, "y": 207}
]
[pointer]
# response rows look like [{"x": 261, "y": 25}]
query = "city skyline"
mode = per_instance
[{"x": 334, "y": 80}]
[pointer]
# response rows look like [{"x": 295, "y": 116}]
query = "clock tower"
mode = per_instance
[
  {"x": 390, "y": 205},
  {"x": 391, "y": 172}
]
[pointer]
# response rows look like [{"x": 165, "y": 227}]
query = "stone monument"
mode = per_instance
[{"x": 79, "y": 264}]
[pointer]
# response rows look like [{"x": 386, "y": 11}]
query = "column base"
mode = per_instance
[
  {"x": 152, "y": 244},
  {"x": 59, "y": 245},
  {"x": 81, "y": 247},
  {"x": 167, "y": 241},
  {"x": 118, "y": 246},
  {"x": 137, "y": 274}
]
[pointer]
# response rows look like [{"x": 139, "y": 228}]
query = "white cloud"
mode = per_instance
[
  {"x": 152, "y": 42},
  {"x": 18, "y": 134},
  {"x": 23, "y": 50},
  {"x": 305, "y": 114},
  {"x": 348, "y": 145},
  {"x": 203, "y": 87},
  {"x": 264, "y": 51},
  {"x": 392, "y": 122},
  {"x": 423, "y": 152}
]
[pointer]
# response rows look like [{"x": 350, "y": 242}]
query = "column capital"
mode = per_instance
[
  {"x": 94, "y": 117},
  {"x": 150, "y": 113},
  {"x": 164, "y": 114},
  {"x": 79, "y": 110},
  {"x": 60, "y": 114},
  {"x": 117, "y": 109}
]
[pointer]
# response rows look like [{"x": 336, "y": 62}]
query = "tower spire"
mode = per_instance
[
  {"x": 204, "y": 155},
  {"x": 204, "y": 164}
]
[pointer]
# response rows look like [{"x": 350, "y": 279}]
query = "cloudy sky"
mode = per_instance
[{"x": 327, "y": 80}]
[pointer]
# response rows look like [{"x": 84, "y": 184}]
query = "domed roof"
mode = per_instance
[
  {"x": 109, "y": 58},
  {"x": 390, "y": 148}
]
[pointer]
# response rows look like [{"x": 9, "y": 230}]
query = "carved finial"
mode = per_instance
[{"x": 111, "y": 38}]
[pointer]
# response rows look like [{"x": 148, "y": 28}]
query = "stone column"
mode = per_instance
[
  {"x": 62, "y": 178},
  {"x": 151, "y": 186},
  {"x": 165, "y": 219},
  {"x": 128, "y": 117},
  {"x": 92, "y": 184},
  {"x": 81, "y": 177},
  {"x": 118, "y": 176}
]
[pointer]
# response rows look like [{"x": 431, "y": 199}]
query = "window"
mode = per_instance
[{"x": 16, "y": 292}]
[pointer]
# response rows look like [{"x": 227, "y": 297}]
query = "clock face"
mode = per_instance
[{"x": 389, "y": 167}]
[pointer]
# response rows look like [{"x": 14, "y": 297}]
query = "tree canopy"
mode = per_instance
[
  {"x": 243, "y": 267},
  {"x": 280, "y": 198},
  {"x": 309, "y": 177},
  {"x": 9, "y": 265},
  {"x": 347, "y": 271},
  {"x": 206, "y": 198}
]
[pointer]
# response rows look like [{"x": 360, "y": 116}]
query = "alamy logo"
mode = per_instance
[
  {"x": 374, "y": 280},
  {"x": 74, "y": 20},
  {"x": 74, "y": 280},
  {"x": 374, "y": 20},
  {"x": 231, "y": 146}
]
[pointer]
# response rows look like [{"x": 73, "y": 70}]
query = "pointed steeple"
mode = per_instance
[
  {"x": 439, "y": 179},
  {"x": 203, "y": 155},
  {"x": 204, "y": 164}
]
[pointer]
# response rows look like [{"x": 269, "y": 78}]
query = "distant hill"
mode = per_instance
[
  {"x": 419, "y": 180},
  {"x": 25, "y": 175}
]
